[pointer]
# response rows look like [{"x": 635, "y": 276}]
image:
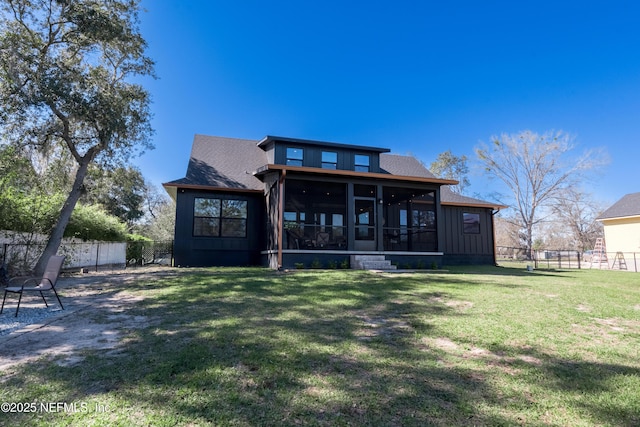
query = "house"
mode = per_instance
[
  {"x": 622, "y": 225},
  {"x": 283, "y": 202}
]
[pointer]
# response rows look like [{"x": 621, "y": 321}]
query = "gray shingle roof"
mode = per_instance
[
  {"x": 449, "y": 197},
  {"x": 224, "y": 162},
  {"x": 230, "y": 163},
  {"x": 403, "y": 165},
  {"x": 629, "y": 205}
]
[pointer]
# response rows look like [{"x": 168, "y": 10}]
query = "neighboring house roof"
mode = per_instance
[{"x": 628, "y": 206}]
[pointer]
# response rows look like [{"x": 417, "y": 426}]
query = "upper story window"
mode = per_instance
[
  {"x": 329, "y": 160},
  {"x": 295, "y": 156},
  {"x": 362, "y": 163}
]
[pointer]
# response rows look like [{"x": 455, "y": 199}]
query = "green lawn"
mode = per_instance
[{"x": 473, "y": 346}]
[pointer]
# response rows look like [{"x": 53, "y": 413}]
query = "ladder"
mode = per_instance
[
  {"x": 622, "y": 263},
  {"x": 599, "y": 253}
]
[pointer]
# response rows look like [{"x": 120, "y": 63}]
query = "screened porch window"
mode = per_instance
[
  {"x": 219, "y": 217},
  {"x": 314, "y": 215},
  {"x": 410, "y": 220}
]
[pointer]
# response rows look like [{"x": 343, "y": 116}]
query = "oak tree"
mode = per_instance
[{"x": 66, "y": 80}]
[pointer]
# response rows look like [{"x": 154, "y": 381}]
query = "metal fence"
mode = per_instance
[
  {"x": 570, "y": 258},
  {"x": 144, "y": 253}
]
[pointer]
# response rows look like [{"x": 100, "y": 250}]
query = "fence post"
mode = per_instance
[{"x": 579, "y": 264}]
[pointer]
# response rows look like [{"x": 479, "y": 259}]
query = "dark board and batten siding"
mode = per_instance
[
  {"x": 467, "y": 248},
  {"x": 313, "y": 156},
  {"x": 198, "y": 251}
]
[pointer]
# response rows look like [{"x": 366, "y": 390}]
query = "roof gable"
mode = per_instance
[
  {"x": 629, "y": 205},
  {"x": 224, "y": 163}
]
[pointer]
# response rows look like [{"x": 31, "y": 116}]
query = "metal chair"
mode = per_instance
[{"x": 47, "y": 283}]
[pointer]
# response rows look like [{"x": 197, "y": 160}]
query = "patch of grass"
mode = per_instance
[{"x": 475, "y": 346}]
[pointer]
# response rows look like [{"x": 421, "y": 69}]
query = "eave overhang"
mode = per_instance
[
  {"x": 351, "y": 174},
  {"x": 172, "y": 189},
  {"x": 360, "y": 148},
  {"x": 475, "y": 205},
  {"x": 618, "y": 218}
]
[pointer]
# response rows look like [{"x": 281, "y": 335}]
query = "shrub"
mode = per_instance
[
  {"x": 92, "y": 222},
  {"x": 135, "y": 245}
]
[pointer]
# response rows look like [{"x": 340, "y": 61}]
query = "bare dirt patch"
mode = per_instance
[{"x": 95, "y": 318}]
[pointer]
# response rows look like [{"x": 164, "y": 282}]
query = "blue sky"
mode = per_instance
[{"x": 418, "y": 77}]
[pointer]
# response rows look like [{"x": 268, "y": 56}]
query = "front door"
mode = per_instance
[{"x": 365, "y": 224}]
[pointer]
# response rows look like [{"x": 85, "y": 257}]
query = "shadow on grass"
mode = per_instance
[{"x": 253, "y": 347}]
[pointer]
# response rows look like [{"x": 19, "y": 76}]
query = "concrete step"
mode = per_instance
[
  {"x": 371, "y": 262},
  {"x": 378, "y": 265}
]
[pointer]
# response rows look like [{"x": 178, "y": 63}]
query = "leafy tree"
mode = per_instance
[
  {"x": 160, "y": 217},
  {"x": 450, "y": 166},
  {"x": 162, "y": 226},
  {"x": 65, "y": 71},
  {"x": 120, "y": 191},
  {"x": 15, "y": 170},
  {"x": 538, "y": 169}
]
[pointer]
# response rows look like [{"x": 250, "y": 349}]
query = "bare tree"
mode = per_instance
[
  {"x": 577, "y": 211},
  {"x": 65, "y": 69},
  {"x": 537, "y": 169}
]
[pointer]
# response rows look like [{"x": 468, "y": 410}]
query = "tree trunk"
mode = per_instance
[{"x": 55, "y": 238}]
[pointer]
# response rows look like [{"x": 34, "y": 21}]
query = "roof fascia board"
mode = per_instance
[
  {"x": 268, "y": 139},
  {"x": 211, "y": 188},
  {"x": 474, "y": 205},
  {"x": 345, "y": 173},
  {"x": 616, "y": 218}
]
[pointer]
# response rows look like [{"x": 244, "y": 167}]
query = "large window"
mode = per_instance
[
  {"x": 362, "y": 163},
  {"x": 219, "y": 217},
  {"x": 295, "y": 156}
]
